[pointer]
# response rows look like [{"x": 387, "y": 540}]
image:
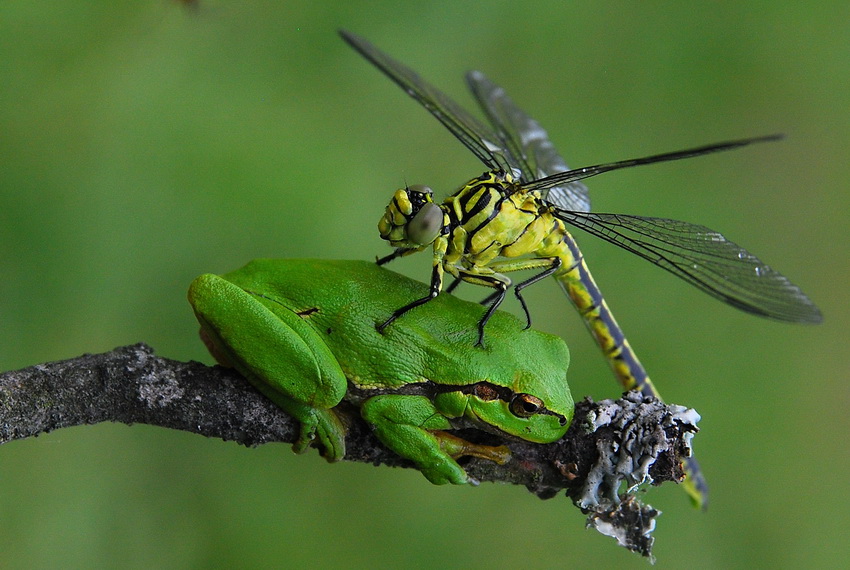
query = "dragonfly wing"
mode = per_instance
[
  {"x": 567, "y": 177},
  {"x": 527, "y": 145},
  {"x": 706, "y": 260},
  {"x": 480, "y": 139},
  {"x": 516, "y": 130}
]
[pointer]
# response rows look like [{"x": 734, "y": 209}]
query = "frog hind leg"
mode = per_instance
[
  {"x": 296, "y": 370},
  {"x": 318, "y": 425}
]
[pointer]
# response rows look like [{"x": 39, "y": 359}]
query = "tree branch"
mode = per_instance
[{"x": 630, "y": 441}]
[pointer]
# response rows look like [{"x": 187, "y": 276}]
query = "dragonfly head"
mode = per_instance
[{"x": 412, "y": 219}]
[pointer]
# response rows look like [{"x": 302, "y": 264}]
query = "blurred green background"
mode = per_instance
[{"x": 144, "y": 143}]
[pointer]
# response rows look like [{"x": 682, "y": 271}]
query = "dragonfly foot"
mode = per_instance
[
  {"x": 480, "y": 342},
  {"x": 380, "y": 328}
]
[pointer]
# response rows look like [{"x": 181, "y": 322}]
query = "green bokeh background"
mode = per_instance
[{"x": 144, "y": 143}]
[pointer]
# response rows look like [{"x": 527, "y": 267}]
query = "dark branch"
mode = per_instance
[{"x": 610, "y": 444}]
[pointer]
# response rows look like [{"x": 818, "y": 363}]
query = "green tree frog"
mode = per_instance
[{"x": 303, "y": 332}]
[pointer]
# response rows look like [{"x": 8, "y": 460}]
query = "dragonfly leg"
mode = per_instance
[
  {"x": 489, "y": 298},
  {"x": 437, "y": 272},
  {"x": 436, "y": 287},
  {"x": 499, "y": 296},
  {"x": 555, "y": 265},
  {"x": 453, "y": 285},
  {"x": 398, "y": 252},
  {"x": 552, "y": 264},
  {"x": 488, "y": 278}
]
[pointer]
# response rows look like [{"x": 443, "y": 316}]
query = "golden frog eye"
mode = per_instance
[{"x": 525, "y": 405}]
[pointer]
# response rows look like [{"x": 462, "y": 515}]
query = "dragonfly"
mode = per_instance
[{"x": 517, "y": 215}]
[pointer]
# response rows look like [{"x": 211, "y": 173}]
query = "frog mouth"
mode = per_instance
[{"x": 471, "y": 420}]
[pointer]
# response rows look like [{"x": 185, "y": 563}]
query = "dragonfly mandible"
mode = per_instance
[{"x": 515, "y": 217}]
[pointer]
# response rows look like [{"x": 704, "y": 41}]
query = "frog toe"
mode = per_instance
[
  {"x": 324, "y": 429},
  {"x": 305, "y": 438},
  {"x": 331, "y": 434}
]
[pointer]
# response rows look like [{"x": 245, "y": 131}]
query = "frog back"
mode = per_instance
[{"x": 344, "y": 300}]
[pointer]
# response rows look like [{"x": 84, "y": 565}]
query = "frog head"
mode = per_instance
[{"x": 541, "y": 416}]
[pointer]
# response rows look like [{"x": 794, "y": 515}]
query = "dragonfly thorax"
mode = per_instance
[{"x": 493, "y": 216}]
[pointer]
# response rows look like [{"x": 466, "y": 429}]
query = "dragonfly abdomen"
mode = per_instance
[{"x": 578, "y": 284}]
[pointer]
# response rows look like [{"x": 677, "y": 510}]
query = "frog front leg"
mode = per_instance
[
  {"x": 279, "y": 353},
  {"x": 413, "y": 427}
]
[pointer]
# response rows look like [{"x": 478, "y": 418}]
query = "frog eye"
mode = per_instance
[
  {"x": 425, "y": 225},
  {"x": 486, "y": 392},
  {"x": 525, "y": 405}
]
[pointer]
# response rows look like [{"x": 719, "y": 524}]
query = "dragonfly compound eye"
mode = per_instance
[
  {"x": 425, "y": 225},
  {"x": 525, "y": 405}
]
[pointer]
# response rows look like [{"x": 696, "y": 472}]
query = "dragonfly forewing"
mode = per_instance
[
  {"x": 474, "y": 135},
  {"x": 530, "y": 149}
]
